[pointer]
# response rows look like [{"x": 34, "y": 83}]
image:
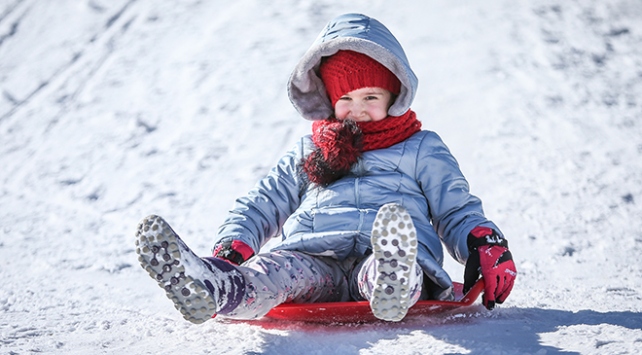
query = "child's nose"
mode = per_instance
[{"x": 357, "y": 109}]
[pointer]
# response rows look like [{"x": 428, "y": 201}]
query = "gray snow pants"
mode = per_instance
[{"x": 289, "y": 276}]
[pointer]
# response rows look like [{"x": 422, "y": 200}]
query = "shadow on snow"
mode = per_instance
[{"x": 477, "y": 330}]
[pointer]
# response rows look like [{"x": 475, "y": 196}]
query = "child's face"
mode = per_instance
[{"x": 365, "y": 104}]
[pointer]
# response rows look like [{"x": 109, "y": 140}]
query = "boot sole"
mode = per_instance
[
  {"x": 394, "y": 241},
  {"x": 163, "y": 254}
]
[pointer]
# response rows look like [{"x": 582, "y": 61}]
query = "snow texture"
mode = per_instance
[{"x": 114, "y": 110}]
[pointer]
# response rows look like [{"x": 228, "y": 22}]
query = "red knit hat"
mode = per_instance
[{"x": 346, "y": 71}]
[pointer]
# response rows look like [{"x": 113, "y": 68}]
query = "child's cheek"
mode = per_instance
[{"x": 340, "y": 111}]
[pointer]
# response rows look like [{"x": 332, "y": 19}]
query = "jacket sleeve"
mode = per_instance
[
  {"x": 259, "y": 215},
  {"x": 453, "y": 210}
]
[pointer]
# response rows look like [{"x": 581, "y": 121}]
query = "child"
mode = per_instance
[{"x": 363, "y": 205}]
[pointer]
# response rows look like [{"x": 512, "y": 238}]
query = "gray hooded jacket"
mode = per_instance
[{"x": 419, "y": 173}]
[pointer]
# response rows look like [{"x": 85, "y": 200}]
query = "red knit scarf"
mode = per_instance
[
  {"x": 389, "y": 131},
  {"x": 340, "y": 143}
]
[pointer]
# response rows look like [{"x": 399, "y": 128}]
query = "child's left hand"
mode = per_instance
[{"x": 489, "y": 255}]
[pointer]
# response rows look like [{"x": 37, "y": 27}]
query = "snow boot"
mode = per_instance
[
  {"x": 399, "y": 277},
  {"x": 199, "y": 287}
]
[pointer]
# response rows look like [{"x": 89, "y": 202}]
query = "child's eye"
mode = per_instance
[
  {"x": 371, "y": 97},
  {"x": 344, "y": 98}
]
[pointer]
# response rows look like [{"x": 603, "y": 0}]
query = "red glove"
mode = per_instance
[
  {"x": 233, "y": 251},
  {"x": 489, "y": 255}
]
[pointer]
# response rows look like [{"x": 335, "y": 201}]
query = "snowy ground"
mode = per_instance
[{"x": 113, "y": 110}]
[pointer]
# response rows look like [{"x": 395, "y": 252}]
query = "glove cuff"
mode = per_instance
[
  {"x": 481, "y": 236},
  {"x": 234, "y": 251}
]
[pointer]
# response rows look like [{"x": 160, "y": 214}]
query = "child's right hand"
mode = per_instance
[
  {"x": 233, "y": 251},
  {"x": 489, "y": 255}
]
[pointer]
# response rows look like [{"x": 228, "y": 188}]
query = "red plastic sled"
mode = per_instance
[{"x": 359, "y": 312}]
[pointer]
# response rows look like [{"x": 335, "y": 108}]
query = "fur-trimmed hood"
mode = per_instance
[{"x": 355, "y": 32}]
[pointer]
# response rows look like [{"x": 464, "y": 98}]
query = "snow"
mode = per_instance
[{"x": 114, "y": 110}]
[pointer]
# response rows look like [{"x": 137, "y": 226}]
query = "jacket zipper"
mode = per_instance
[{"x": 357, "y": 198}]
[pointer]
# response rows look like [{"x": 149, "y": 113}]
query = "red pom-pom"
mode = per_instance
[{"x": 338, "y": 147}]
